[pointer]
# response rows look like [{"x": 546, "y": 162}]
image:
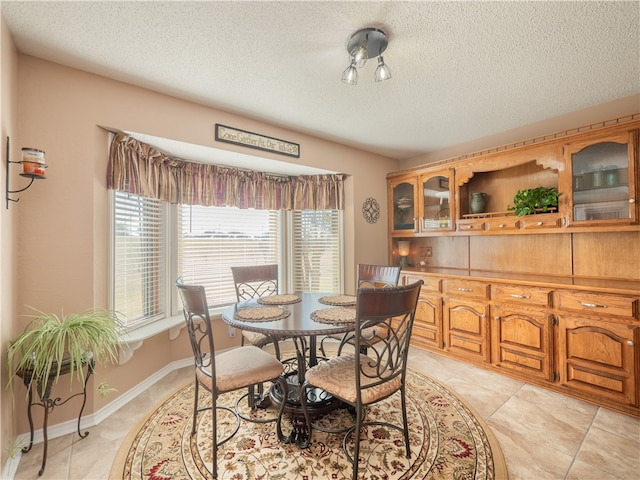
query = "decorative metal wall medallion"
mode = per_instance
[{"x": 371, "y": 210}]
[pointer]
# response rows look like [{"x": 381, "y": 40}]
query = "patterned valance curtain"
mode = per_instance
[{"x": 138, "y": 168}]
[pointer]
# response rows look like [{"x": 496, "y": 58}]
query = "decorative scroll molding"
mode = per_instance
[{"x": 631, "y": 119}]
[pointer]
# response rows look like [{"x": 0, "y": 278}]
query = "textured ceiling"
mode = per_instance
[{"x": 460, "y": 70}]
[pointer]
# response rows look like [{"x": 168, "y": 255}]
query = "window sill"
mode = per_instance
[{"x": 133, "y": 339}]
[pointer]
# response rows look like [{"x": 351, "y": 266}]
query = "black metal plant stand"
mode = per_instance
[{"x": 49, "y": 403}]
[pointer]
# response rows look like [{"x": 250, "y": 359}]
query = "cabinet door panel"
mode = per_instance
[
  {"x": 427, "y": 330},
  {"x": 603, "y": 173},
  {"x": 598, "y": 358},
  {"x": 436, "y": 210},
  {"x": 403, "y": 205},
  {"x": 521, "y": 341},
  {"x": 466, "y": 329}
]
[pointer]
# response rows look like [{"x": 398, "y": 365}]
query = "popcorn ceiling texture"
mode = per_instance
[{"x": 460, "y": 70}]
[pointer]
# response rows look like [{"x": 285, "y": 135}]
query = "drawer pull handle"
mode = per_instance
[
  {"x": 465, "y": 227},
  {"x": 465, "y": 289},
  {"x": 632, "y": 200},
  {"x": 630, "y": 343},
  {"x": 501, "y": 225},
  {"x": 539, "y": 224},
  {"x": 592, "y": 305},
  {"x": 515, "y": 295}
]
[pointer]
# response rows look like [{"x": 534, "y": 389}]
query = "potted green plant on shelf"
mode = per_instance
[
  {"x": 53, "y": 345},
  {"x": 535, "y": 200}
]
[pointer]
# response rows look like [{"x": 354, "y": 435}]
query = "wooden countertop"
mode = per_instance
[{"x": 608, "y": 285}]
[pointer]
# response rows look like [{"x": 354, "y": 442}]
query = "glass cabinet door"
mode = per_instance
[
  {"x": 436, "y": 201},
  {"x": 403, "y": 206},
  {"x": 603, "y": 182}
]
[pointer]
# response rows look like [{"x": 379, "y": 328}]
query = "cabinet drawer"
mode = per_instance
[
  {"x": 522, "y": 294},
  {"x": 431, "y": 284},
  {"x": 503, "y": 224},
  {"x": 466, "y": 288},
  {"x": 598, "y": 303},
  {"x": 544, "y": 220},
  {"x": 469, "y": 225}
]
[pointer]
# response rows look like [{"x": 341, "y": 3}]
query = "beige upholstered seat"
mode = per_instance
[
  {"x": 224, "y": 372},
  {"x": 360, "y": 380},
  {"x": 238, "y": 368},
  {"x": 368, "y": 276}
]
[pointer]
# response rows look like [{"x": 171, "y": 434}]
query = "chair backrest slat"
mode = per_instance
[
  {"x": 198, "y": 321},
  {"x": 377, "y": 276},
  {"x": 255, "y": 281},
  {"x": 392, "y": 311}
]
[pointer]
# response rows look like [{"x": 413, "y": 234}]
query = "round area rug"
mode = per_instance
[{"x": 448, "y": 441}]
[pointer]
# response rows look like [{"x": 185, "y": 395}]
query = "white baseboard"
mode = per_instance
[{"x": 71, "y": 426}]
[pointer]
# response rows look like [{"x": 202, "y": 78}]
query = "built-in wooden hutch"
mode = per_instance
[{"x": 551, "y": 298}]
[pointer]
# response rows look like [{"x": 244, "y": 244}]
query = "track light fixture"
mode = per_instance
[{"x": 362, "y": 45}]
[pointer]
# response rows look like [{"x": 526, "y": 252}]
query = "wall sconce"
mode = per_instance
[
  {"x": 32, "y": 167},
  {"x": 404, "y": 247},
  {"x": 362, "y": 45}
]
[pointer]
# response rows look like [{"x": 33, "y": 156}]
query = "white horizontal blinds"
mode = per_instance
[
  {"x": 213, "y": 239},
  {"x": 316, "y": 250},
  {"x": 140, "y": 258}
]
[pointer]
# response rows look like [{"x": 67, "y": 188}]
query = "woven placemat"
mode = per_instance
[
  {"x": 338, "y": 300},
  {"x": 335, "y": 316},
  {"x": 279, "y": 299},
  {"x": 262, "y": 314}
]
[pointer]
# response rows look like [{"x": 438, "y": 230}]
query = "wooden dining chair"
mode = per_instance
[
  {"x": 367, "y": 276},
  {"x": 360, "y": 380},
  {"x": 230, "y": 370},
  {"x": 251, "y": 282}
]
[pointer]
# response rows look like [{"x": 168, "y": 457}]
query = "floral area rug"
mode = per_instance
[{"x": 448, "y": 441}]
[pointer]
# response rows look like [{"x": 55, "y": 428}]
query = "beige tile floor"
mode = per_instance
[{"x": 543, "y": 435}]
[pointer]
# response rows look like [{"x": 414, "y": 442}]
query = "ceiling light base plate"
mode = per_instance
[{"x": 373, "y": 40}]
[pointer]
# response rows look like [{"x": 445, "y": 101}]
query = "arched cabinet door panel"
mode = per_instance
[{"x": 598, "y": 358}]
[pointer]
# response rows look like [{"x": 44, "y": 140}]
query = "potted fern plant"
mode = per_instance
[
  {"x": 53, "y": 345},
  {"x": 535, "y": 200}
]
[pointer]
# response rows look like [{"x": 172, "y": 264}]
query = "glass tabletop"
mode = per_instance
[{"x": 293, "y": 319}]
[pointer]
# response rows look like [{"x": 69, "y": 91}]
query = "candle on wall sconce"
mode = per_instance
[
  {"x": 33, "y": 167},
  {"x": 33, "y": 161},
  {"x": 404, "y": 247}
]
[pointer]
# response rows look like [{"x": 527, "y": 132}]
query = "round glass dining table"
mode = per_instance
[{"x": 302, "y": 317}]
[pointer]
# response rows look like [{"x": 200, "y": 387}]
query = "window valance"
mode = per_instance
[{"x": 138, "y": 168}]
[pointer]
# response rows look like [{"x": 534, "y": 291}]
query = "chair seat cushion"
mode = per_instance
[
  {"x": 371, "y": 334},
  {"x": 241, "y": 367},
  {"x": 337, "y": 376},
  {"x": 255, "y": 338}
]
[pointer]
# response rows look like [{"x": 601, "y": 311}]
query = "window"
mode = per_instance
[
  {"x": 316, "y": 251},
  {"x": 139, "y": 258},
  {"x": 213, "y": 239},
  {"x": 206, "y": 242}
]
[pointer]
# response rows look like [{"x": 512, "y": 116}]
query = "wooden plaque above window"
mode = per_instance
[{"x": 254, "y": 140}]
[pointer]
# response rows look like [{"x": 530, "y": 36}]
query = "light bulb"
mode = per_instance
[{"x": 358, "y": 56}]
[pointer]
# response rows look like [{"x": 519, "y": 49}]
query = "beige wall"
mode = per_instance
[
  {"x": 62, "y": 222},
  {"x": 8, "y": 229}
]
